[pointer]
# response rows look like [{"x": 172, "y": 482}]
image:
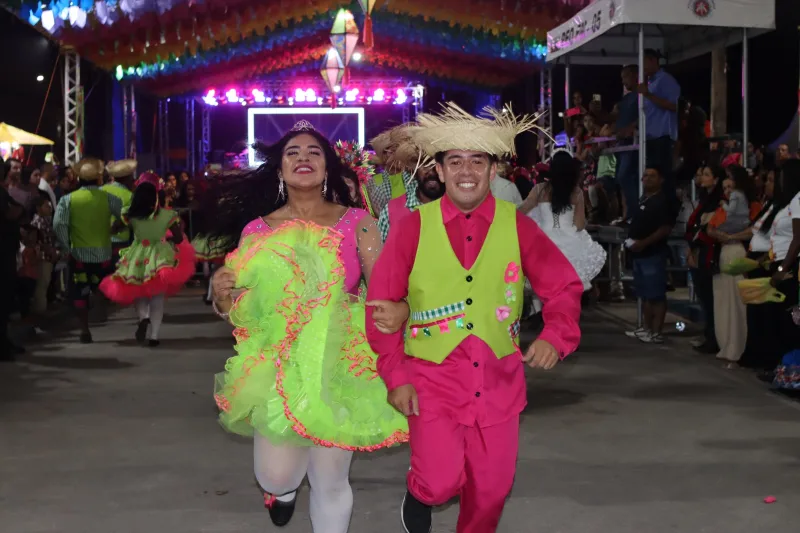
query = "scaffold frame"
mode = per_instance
[{"x": 73, "y": 108}]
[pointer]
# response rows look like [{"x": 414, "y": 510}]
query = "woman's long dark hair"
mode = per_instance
[
  {"x": 787, "y": 186},
  {"x": 564, "y": 176},
  {"x": 710, "y": 199},
  {"x": 143, "y": 201},
  {"x": 743, "y": 182},
  {"x": 237, "y": 199}
]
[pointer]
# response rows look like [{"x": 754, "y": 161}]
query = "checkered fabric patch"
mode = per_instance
[
  {"x": 439, "y": 312},
  {"x": 513, "y": 329}
]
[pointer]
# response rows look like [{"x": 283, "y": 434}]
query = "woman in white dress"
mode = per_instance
[{"x": 558, "y": 207}]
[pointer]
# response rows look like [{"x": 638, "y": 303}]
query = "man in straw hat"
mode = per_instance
[
  {"x": 423, "y": 188},
  {"x": 461, "y": 263},
  {"x": 392, "y": 182},
  {"x": 123, "y": 174},
  {"x": 81, "y": 224}
]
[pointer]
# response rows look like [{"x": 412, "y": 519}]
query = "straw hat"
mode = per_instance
[
  {"x": 89, "y": 169},
  {"x": 380, "y": 143},
  {"x": 408, "y": 155},
  {"x": 122, "y": 168},
  {"x": 455, "y": 129}
]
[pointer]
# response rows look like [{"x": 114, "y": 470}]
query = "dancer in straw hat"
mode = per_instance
[
  {"x": 392, "y": 182},
  {"x": 423, "y": 188},
  {"x": 81, "y": 224},
  {"x": 461, "y": 262},
  {"x": 123, "y": 174}
]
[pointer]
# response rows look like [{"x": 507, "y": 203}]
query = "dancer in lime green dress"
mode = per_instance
[
  {"x": 304, "y": 383},
  {"x": 158, "y": 263}
]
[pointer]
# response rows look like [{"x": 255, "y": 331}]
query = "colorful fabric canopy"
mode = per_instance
[{"x": 171, "y": 45}]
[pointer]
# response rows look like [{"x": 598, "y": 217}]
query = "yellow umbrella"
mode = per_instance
[{"x": 10, "y": 134}]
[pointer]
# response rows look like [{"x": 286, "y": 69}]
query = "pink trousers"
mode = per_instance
[{"x": 475, "y": 463}]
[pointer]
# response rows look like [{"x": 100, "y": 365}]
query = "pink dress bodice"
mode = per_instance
[{"x": 349, "y": 247}]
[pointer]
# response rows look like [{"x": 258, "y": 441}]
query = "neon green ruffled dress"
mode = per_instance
[{"x": 304, "y": 374}]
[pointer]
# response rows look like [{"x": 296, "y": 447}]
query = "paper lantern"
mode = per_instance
[
  {"x": 367, "y": 6},
  {"x": 344, "y": 35},
  {"x": 332, "y": 71}
]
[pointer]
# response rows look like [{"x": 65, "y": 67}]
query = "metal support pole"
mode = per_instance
[
  {"x": 166, "y": 138},
  {"x": 190, "y": 137},
  {"x": 73, "y": 108},
  {"x": 567, "y": 89},
  {"x": 134, "y": 123},
  {"x": 546, "y": 109},
  {"x": 125, "y": 121},
  {"x": 206, "y": 136},
  {"x": 162, "y": 153},
  {"x": 745, "y": 97},
  {"x": 642, "y": 150}
]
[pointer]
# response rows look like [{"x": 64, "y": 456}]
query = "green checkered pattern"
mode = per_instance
[
  {"x": 439, "y": 312},
  {"x": 412, "y": 203}
]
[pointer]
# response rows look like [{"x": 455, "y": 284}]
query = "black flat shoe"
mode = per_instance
[
  {"x": 153, "y": 343},
  {"x": 86, "y": 338},
  {"x": 415, "y": 515},
  {"x": 280, "y": 512},
  {"x": 141, "y": 330}
]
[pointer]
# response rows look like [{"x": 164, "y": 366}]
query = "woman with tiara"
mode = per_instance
[
  {"x": 557, "y": 205},
  {"x": 304, "y": 384},
  {"x": 157, "y": 264}
]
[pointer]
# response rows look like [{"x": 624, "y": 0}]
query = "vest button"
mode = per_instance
[
  {"x": 477, "y": 394},
  {"x": 469, "y": 326},
  {"x": 469, "y": 238},
  {"x": 475, "y": 365},
  {"x": 469, "y": 301},
  {"x": 469, "y": 279}
]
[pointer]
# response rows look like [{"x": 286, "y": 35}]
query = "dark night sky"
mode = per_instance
[{"x": 775, "y": 60}]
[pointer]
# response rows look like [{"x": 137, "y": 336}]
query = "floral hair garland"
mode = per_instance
[{"x": 353, "y": 156}]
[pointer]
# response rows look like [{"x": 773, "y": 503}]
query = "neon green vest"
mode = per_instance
[
  {"x": 396, "y": 182},
  {"x": 125, "y": 195},
  {"x": 89, "y": 214},
  {"x": 449, "y": 302}
]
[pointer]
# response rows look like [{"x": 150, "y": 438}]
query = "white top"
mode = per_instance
[
  {"x": 760, "y": 242},
  {"x": 506, "y": 190},
  {"x": 782, "y": 234}
]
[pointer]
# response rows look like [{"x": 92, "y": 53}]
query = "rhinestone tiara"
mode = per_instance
[{"x": 303, "y": 125}]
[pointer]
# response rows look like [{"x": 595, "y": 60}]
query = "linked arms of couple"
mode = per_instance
[{"x": 389, "y": 317}]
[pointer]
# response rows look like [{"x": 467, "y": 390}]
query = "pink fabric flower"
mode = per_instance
[
  {"x": 502, "y": 313},
  {"x": 145, "y": 242},
  {"x": 512, "y": 273}
]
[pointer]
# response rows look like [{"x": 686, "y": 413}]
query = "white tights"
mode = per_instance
[
  {"x": 152, "y": 308},
  {"x": 280, "y": 470}
]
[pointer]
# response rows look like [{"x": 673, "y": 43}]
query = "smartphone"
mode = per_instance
[{"x": 596, "y": 98}]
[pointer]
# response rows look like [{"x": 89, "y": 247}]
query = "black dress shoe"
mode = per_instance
[
  {"x": 141, "y": 330},
  {"x": 280, "y": 512},
  {"x": 415, "y": 515},
  {"x": 153, "y": 343},
  {"x": 86, "y": 338}
]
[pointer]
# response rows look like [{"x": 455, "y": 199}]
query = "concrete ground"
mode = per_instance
[{"x": 621, "y": 438}]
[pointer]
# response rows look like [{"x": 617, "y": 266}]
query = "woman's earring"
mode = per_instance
[
  {"x": 325, "y": 185},
  {"x": 281, "y": 189}
]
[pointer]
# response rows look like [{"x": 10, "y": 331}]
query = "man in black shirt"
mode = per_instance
[
  {"x": 648, "y": 233},
  {"x": 10, "y": 213}
]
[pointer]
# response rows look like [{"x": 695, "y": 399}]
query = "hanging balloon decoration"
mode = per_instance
[
  {"x": 332, "y": 71},
  {"x": 344, "y": 38},
  {"x": 367, "y": 6}
]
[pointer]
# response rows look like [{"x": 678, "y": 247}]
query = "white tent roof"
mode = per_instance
[{"x": 607, "y": 31}]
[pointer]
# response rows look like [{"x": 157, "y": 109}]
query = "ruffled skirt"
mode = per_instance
[
  {"x": 304, "y": 374},
  {"x": 147, "y": 271}
]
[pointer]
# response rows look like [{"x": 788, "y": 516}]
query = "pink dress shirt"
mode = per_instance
[{"x": 472, "y": 386}]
